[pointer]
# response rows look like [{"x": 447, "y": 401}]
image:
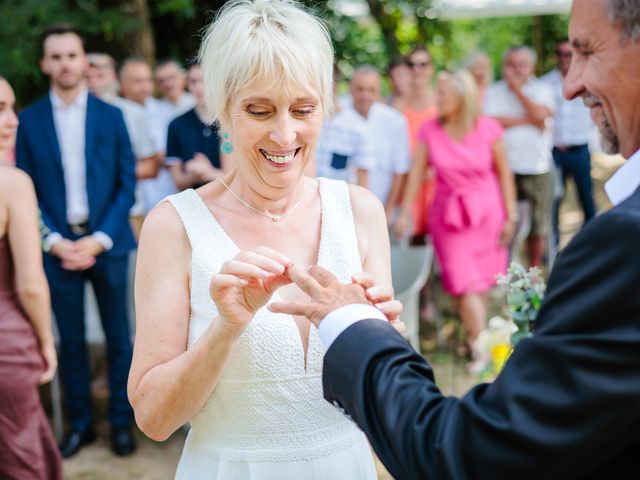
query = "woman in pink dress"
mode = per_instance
[{"x": 474, "y": 211}]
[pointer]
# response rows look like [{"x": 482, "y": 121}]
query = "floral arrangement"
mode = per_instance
[{"x": 525, "y": 291}]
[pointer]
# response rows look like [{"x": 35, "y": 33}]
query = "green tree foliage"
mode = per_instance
[
  {"x": 23, "y": 22},
  {"x": 174, "y": 28}
]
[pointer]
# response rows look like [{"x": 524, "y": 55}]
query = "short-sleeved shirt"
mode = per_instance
[
  {"x": 388, "y": 134},
  {"x": 343, "y": 147},
  {"x": 188, "y": 135},
  {"x": 572, "y": 124},
  {"x": 528, "y": 148}
]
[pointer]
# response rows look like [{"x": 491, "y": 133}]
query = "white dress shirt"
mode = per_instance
[
  {"x": 70, "y": 124},
  {"x": 528, "y": 148},
  {"x": 342, "y": 318},
  {"x": 70, "y": 121},
  {"x": 572, "y": 124},
  {"x": 625, "y": 181},
  {"x": 389, "y": 139}
]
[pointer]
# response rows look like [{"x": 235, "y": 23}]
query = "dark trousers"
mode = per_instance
[
  {"x": 108, "y": 278},
  {"x": 575, "y": 162}
]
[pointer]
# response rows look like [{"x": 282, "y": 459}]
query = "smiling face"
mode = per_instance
[
  {"x": 519, "y": 64},
  {"x": 64, "y": 60},
  {"x": 195, "y": 84},
  {"x": 274, "y": 132},
  {"x": 171, "y": 81},
  {"x": 449, "y": 101},
  {"x": 421, "y": 68},
  {"x": 8, "y": 118},
  {"x": 136, "y": 82},
  {"x": 365, "y": 89},
  {"x": 604, "y": 72}
]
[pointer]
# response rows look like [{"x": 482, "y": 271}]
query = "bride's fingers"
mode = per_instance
[
  {"x": 365, "y": 280},
  {"x": 221, "y": 280},
  {"x": 262, "y": 261},
  {"x": 247, "y": 270},
  {"x": 400, "y": 327},
  {"x": 273, "y": 283},
  {"x": 380, "y": 293},
  {"x": 391, "y": 309},
  {"x": 274, "y": 255}
]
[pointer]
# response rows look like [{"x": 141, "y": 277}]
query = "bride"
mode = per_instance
[{"x": 207, "y": 349}]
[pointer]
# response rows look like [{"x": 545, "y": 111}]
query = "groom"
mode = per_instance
[{"x": 567, "y": 404}]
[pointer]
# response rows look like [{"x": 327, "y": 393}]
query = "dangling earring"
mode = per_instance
[{"x": 226, "y": 146}]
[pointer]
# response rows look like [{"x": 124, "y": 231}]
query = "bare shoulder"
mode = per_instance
[
  {"x": 364, "y": 203},
  {"x": 163, "y": 226},
  {"x": 14, "y": 181}
]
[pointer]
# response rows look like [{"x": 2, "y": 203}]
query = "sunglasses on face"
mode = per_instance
[
  {"x": 411, "y": 64},
  {"x": 563, "y": 54}
]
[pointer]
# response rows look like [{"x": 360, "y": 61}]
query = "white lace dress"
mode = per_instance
[{"x": 267, "y": 418}]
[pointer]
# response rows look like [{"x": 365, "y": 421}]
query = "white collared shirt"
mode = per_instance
[
  {"x": 389, "y": 140},
  {"x": 572, "y": 124},
  {"x": 625, "y": 181},
  {"x": 70, "y": 123},
  {"x": 528, "y": 148}
]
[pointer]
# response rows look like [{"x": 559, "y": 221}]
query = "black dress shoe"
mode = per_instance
[
  {"x": 122, "y": 440},
  {"x": 74, "y": 440}
]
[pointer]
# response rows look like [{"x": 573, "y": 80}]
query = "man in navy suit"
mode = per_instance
[
  {"x": 77, "y": 151},
  {"x": 567, "y": 403}
]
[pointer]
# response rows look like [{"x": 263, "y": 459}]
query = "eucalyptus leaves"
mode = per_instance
[{"x": 525, "y": 291}]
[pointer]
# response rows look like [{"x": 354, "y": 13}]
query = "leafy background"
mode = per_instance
[{"x": 171, "y": 28}]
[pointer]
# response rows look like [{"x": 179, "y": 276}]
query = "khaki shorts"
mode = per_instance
[{"x": 536, "y": 189}]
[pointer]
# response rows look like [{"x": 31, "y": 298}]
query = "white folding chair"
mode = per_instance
[{"x": 410, "y": 266}]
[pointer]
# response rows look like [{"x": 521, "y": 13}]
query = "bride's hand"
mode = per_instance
[
  {"x": 246, "y": 283},
  {"x": 382, "y": 298}
]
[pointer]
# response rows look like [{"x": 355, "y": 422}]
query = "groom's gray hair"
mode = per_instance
[{"x": 626, "y": 14}]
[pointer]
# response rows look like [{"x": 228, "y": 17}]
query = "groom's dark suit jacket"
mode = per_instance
[{"x": 566, "y": 405}]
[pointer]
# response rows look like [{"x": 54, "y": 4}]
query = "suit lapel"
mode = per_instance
[
  {"x": 49, "y": 131},
  {"x": 91, "y": 166}
]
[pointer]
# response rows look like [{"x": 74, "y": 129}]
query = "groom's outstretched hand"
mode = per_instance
[{"x": 325, "y": 292}]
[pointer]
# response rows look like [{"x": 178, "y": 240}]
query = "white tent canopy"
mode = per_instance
[{"x": 449, "y": 9}]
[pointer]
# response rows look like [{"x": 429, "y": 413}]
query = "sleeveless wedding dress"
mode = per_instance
[{"x": 267, "y": 418}]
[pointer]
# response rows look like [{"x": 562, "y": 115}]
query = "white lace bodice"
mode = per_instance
[{"x": 266, "y": 406}]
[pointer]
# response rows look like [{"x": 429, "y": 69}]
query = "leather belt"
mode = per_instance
[
  {"x": 569, "y": 148},
  {"x": 79, "y": 228}
]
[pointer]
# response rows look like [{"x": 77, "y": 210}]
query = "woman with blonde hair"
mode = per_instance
[
  {"x": 27, "y": 353},
  {"x": 474, "y": 210},
  {"x": 208, "y": 350}
]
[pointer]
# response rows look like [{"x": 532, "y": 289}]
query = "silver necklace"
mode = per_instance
[{"x": 274, "y": 218}]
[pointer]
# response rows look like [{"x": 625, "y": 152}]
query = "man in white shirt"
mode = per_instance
[
  {"x": 344, "y": 151},
  {"x": 171, "y": 79},
  {"x": 524, "y": 106},
  {"x": 102, "y": 81},
  {"x": 572, "y": 128},
  {"x": 388, "y": 134},
  {"x": 136, "y": 83},
  {"x": 565, "y": 404},
  {"x": 77, "y": 151}
]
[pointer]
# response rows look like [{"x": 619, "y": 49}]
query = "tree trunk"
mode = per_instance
[
  {"x": 140, "y": 40},
  {"x": 387, "y": 24}
]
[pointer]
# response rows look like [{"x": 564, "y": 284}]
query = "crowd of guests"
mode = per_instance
[{"x": 473, "y": 164}]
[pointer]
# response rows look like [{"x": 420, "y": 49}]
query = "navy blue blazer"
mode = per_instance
[
  {"x": 566, "y": 405},
  {"x": 110, "y": 170}
]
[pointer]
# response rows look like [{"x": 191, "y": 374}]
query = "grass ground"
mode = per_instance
[{"x": 441, "y": 339}]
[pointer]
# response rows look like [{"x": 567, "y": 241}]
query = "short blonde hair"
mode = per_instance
[
  {"x": 252, "y": 40},
  {"x": 466, "y": 88}
]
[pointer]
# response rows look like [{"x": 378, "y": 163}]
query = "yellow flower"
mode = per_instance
[{"x": 499, "y": 354}]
